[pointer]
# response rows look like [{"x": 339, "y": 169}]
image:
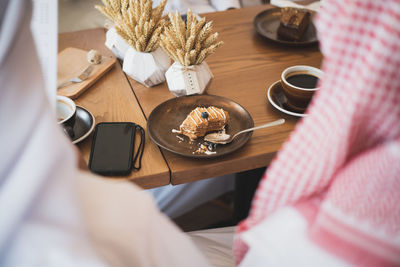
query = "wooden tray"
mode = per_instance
[{"x": 71, "y": 62}]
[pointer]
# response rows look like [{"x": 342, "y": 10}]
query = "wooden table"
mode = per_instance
[
  {"x": 111, "y": 99},
  {"x": 243, "y": 69}
]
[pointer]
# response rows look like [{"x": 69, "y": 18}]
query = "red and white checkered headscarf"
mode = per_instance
[{"x": 342, "y": 162}]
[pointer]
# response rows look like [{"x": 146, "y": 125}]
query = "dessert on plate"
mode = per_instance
[
  {"x": 202, "y": 120},
  {"x": 293, "y": 23}
]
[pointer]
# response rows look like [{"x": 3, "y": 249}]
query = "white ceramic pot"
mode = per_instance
[
  {"x": 147, "y": 68},
  {"x": 116, "y": 43},
  {"x": 188, "y": 80}
]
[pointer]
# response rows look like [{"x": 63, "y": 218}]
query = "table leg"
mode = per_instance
[{"x": 245, "y": 186}]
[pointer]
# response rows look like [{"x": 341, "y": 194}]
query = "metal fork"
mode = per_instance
[
  {"x": 218, "y": 138},
  {"x": 83, "y": 76}
]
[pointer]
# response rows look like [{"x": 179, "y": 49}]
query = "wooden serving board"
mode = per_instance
[{"x": 71, "y": 62}]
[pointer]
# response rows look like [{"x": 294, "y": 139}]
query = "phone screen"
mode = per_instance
[{"x": 112, "y": 148}]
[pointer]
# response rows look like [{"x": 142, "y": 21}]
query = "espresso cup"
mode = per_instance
[
  {"x": 66, "y": 113},
  {"x": 299, "y": 84}
]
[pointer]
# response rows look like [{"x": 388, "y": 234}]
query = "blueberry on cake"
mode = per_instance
[
  {"x": 202, "y": 120},
  {"x": 293, "y": 23}
]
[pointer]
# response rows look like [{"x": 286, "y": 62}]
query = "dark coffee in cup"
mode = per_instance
[
  {"x": 303, "y": 80},
  {"x": 66, "y": 113}
]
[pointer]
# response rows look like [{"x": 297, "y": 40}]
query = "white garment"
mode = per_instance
[
  {"x": 198, "y": 6},
  {"x": 282, "y": 240},
  {"x": 279, "y": 241},
  {"x": 216, "y": 245},
  {"x": 312, "y": 5},
  {"x": 51, "y": 214}
]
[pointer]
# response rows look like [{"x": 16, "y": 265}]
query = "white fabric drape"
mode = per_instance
[
  {"x": 52, "y": 214},
  {"x": 282, "y": 240}
]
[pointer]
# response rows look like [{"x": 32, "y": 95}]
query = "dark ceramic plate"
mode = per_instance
[
  {"x": 278, "y": 100},
  {"x": 267, "y": 23},
  {"x": 170, "y": 114},
  {"x": 84, "y": 124}
]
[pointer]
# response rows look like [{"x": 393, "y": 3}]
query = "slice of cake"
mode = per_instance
[
  {"x": 293, "y": 23},
  {"x": 202, "y": 120}
]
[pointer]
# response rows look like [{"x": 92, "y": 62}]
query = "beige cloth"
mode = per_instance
[{"x": 128, "y": 230}]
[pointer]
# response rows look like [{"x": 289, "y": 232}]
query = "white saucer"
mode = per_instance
[
  {"x": 278, "y": 100},
  {"x": 84, "y": 124}
]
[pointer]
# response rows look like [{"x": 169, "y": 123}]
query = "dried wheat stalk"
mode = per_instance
[
  {"x": 136, "y": 21},
  {"x": 190, "y": 43}
]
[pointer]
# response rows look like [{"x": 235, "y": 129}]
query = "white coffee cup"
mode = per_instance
[{"x": 66, "y": 112}]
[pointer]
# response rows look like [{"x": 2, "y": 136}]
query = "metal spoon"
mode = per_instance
[
  {"x": 80, "y": 78},
  {"x": 223, "y": 138}
]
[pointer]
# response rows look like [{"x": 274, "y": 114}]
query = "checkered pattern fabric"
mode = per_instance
[{"x": 342, "y": 162}]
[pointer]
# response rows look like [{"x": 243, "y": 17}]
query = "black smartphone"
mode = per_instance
[{"x": 113, "y": 147}]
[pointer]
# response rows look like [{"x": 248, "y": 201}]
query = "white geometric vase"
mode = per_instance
[
  {"x": 147, "y": 68},
  {"x": 188, "y": 80},
  {"x": 116, "y": 43}
]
